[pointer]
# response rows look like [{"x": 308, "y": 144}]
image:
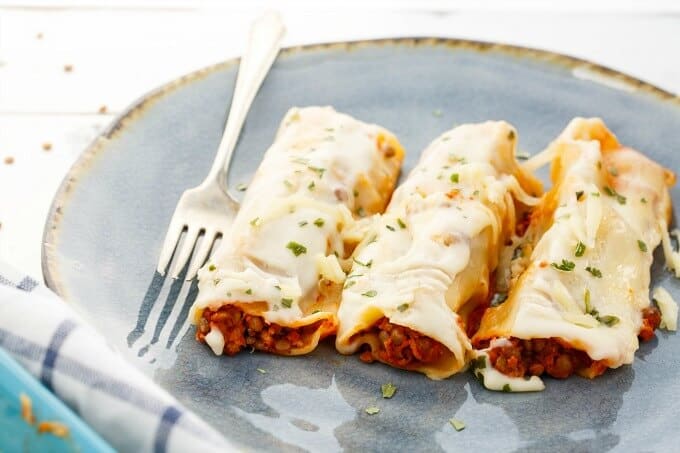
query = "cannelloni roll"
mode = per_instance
[
  {"x": 579, "y": 298},
  {"x": 275, "y": 283},
  {"x": 424, "y": 268}
]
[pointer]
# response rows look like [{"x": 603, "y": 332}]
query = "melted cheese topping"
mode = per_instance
[
  {"x": 613, "y": 204},
  {"x": 668, "y": 308},
  {"x": 323, "y": 167},
  {"x": 432, "y": 252}
]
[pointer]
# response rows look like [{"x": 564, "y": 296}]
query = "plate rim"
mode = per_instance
[{"x": 138, "y": 106}]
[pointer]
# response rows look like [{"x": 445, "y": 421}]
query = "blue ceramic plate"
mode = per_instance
[
  {"x": 108, "y": 220},
  {"x": 16, "y": 434}
]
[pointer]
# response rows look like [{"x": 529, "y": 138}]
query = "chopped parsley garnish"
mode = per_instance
[
  {"x": 261, "y": 371},
  {"x": 454, "y": 177},
  {"x": 349, "y": 284},
  {"x": 613, "y": 193},
  {"x": 586, "y": 300},
  {"x": 389, "y": 227},
  {"x": 401, "y": 224},
  {"x": 311, "y": 186},
  {"x": 287, "y": 183},
  {"x": 522, "y": 155},
  {"x": 643, "y": 200},
  {"x": 445, "y": 138},
  {"x": 360, "y": 211},
  {"x": 579, "y": 195},
  {"x": 256, "y": 222},
  {"x": 277, "y": 287},
  {"x": 498, "y": 299},
  {"x": 297, "y": 249},
  {"x": 402, "y": 307},
  {"x": 287, "y": 302},
  {"x": 595, "y": 194},
  {"x": 319, "y": 222},
  {"x": 388, "y": 390},
  {"x": 506, "y": 388},
  {"x": 212, "y": 267},
  {"x": 249, "y": 291},
  {"x": 372, "y": 410},
  {"x": 479, "y": 363},
  {"x": 241, "y": 187},
  {"x": 458, "y": 425},
  {"x": 608, "y": 320},
  {"x": 367, "y": 264},
  {"x": 642, "y": 246},
  {"x": 437, "y": 113},
  {"x": 565, "y": 266},
  {"x": 595, "y": 272},
  {"x": 302, "y": 223},
  {"x": 580, "y": 249},
  {"x": 356, "y": 193},
  {"x": 475, "y": 193},
  {"x": 370, "y": 293},
  {"x": 319, "y": 171},
  {"x": 613, "y": 171}
]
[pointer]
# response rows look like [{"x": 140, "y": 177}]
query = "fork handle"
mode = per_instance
[{"x": 264, "y": 44}]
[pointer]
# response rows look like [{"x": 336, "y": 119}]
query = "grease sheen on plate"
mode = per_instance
[{"x": 108, "y": 220}]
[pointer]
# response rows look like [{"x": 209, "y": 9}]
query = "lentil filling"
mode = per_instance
[
  {"x": 556, "y": 357},
  {"x": 401, "y": 347},
  {"x": 242, "y": 330}
]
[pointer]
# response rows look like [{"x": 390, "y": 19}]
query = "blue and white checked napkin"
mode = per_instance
[{"x": 54, "y": 344}]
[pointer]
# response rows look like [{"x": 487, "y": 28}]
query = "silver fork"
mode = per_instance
[{"x": 209, "y": 208}]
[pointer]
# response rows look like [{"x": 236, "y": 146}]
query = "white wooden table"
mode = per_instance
[{"x": 68, "y": 67}]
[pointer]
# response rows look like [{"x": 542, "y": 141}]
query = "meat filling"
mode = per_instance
[
  {"x": 402, "y": 347},
  {"x": 241, "y": 330},
  {"x": 555, "y": 356}
]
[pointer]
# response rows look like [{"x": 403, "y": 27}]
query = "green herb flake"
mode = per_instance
[
  {"x": 390, "y": 227},
  {"x": 288, "y": 183},
  {"x": 506, "y": 388},
  {"x": 249, "y": 291},
  {"x": 388, "y": 390},
  {"x": 475, "y": 193},
  {"x": 565, "y": 266},
  {"x": 212, "y": 268},
  {"x": 437, "y": 113},
  {"x": 609, "y": 320},
  {"x": 367, "y": 264},
  {"x": 642, "y": 246},
  {"x": 297, "y": 249},
  {"x": 349, "y": 284},
  {"x": 498, "y": 298},
  {"x": 613, "y": 193},
  {"x": 372, "y": 410},
  {"x": 262, "y": 371},
  {"x": 361, "y": 212},
  {"x": 579, "y": 195},
  {"x": 356, "y": 193},
  {"x": 643, "y": 200},
  {"x": 318, "y": 170},
  {"x": 454, "y": 177},
  {"x": 595, "y": 272},
  {"x": 586, "y": 300},
  {"x": 595, "y": 194},
  {"x": 302, "y": 223},
  {"x": 403, "y": 307},
  {"x": 286, "y": 302},
  {"x": 241, "y": 187},
  {"x": 319, "y": 222},
  {"x": 580, "y": 249},
  {"x": 401, "y": 224},
  {"x": 458, "y": 425},
  {"x": 256, "y": 222},
  {"x": 277, "y": 287},
  {"x": 311, "y": 186},
  {"x": 370, "y": 293},
  {"x": 522, "y": 155},
  {"x": 613, "y": 171}
]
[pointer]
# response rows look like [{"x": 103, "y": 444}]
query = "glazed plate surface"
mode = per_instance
[{"x": 104, "y": 234}]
